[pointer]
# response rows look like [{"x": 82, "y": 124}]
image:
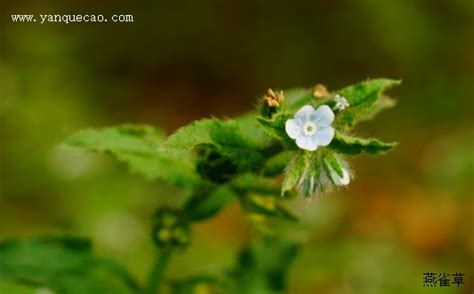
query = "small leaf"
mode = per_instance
[
  {"x": 383, "y": 103},
  {"x": 204, "y": 206},
  {"x": 263, "y": 267},
  {"x": 353, "y": 146},
  {"x": 361, "y": 98},
  {"x": 267, "y": 206},
  {"x": 136, "y": 146},
  {"x": 251, "y": 183}
]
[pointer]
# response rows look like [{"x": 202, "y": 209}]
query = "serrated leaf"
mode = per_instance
[
  {"x": 361, "y": 98},
  {"x": 64, "y": 265},
  {"x": 295, "y": 169},
  {"x": 204, "y": 206},
  {"x": 140, "y": 139},
  {"x": 353, "y": 146},
  {"x": 225, "y": 136},
  {"x": 136, "y": 146}
]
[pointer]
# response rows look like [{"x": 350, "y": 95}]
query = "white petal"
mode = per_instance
[
  {"x": 307, "y": 143},
  {"x": 323, "y": 116},
  {"x": 324, "y": 135},
  {"x": 304, "y": 113},
  {"x": 293, "y": 129},
  {"x": 338, "y": 181}
]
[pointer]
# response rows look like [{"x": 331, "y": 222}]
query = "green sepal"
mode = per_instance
[
  {"x": 294, "y": 171},
  {"x": 331, "y": 160}
]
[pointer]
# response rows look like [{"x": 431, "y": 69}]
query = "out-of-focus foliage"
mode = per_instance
[
  {"x": 63, "y": 265},
  {"x": 263, "y": 268}
]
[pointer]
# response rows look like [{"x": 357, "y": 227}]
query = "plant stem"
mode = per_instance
[{"x": 156, "y": 274}]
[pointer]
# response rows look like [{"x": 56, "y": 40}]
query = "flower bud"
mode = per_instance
[{"x": 170, "y": 229}]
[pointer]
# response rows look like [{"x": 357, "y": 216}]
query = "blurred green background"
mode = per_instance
[{"x": 406, "y": 213}]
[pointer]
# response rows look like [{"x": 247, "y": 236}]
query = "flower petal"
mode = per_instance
[
  {"x": 307, "y": 143},
  {"x": 324, "y": 136},
  {"x": 293, "y": 129},
  {"x": 338, "y": 181},
  {"x": 304, "y": 114},
  {"x": 323, "y": 116}
]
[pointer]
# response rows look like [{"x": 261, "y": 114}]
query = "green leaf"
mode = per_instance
[
  {"x": 203, "y": 206},
  {"x": 263, "y": 268},
  {"x": 383, "y": 103},
  {"x": 294, "y": 171},
  {"x": 64, "y": 265},
  {"x": 267, "y": 206},
  {"x": 251, "y": 183},
  {"x": 225, "y": 136},
  {"x": 140, "y": 139},
  {"x": 361, "y": 98},
  {"x": 275, "y": 127},
  {"x": 251, "y": 130},
  {"x": 353, "y": 146},
  {"x": 136, "y": 145}
]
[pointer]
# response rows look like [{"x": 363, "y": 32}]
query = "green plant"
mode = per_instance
[{"x": 295, "y": 143}]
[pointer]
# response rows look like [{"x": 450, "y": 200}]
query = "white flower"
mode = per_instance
[
  {"x": 311, "y": 128},
  {"x": 338, "y": 180},
  {"x": 341, "y": 103}
]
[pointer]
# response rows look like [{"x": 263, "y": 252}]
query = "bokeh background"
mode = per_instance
[{"x": 406, "y": 213}]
